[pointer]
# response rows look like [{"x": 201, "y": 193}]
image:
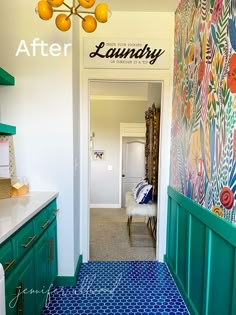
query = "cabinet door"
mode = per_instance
[
  {"x": 52, "y": 241},
  {"x": 46, "y": 264},
  {"x": 20, "y": 286},
  {"x": 41, "y": 250}
]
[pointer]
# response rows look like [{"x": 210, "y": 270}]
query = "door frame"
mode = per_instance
[
  {"x": 157, "y": 76},
  {"x": 128, "y": 130}
]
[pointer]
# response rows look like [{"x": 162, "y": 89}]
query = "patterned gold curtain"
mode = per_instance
[{"x": 152, "y": 117}]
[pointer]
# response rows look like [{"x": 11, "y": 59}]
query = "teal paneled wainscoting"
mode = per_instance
[{"x": 201, "y": 255}]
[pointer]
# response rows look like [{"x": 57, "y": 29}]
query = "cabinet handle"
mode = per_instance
[
  {"x": 55, "y": 212},
  {"x": 45, "y": 224},
  {"x": 30, "y": 241},
  {"x": 51, "y": 251},
  {"x": 8, "y": 265},
  {"x": 23, "y": 299},
  {"x": 20, "y": 302}
]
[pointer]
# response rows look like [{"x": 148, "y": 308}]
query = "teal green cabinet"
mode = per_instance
[
  {"x": 6, "y": 78},
  {"x": 41, "y": 263},
  {"x": 52, "y": 262},
  {"x": 20, "y": 298},
  {"x": 7, "y": 130},
  {"x": 46, "y": 264},
  {"x": 29, "y": 258},
  {"x": 7, "y": 258}
]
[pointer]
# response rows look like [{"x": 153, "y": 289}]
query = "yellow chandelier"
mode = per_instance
[{"x": 46, "y": 8}]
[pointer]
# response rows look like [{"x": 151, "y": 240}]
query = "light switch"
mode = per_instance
[{"x": 109, "y": 167}]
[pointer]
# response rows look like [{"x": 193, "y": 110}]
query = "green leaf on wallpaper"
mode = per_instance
[
  {"x": 227, "y": 98},
  {"x": 232, "y": 179},
  {"x": 222, "y": 28},
  {"x": 226, "y": 162},
  {"x": 212, "y": 5},
  {"x": 212, "y": 145},
  {"x": 197, "y": 119},
  {"x": 202, "y": 141}
]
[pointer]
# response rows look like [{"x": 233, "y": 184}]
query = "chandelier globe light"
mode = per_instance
[{"x": 46, "y": 9}]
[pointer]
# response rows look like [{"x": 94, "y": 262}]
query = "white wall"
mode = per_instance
[
  {"x": 154, "y": 94},
  {"x": 76, "y": 64},
  {"x": 40, "y": 105},
  {"x": 105, "y": 119}
]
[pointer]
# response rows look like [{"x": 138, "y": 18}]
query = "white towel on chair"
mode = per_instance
[{"x": 133, "y": 208}]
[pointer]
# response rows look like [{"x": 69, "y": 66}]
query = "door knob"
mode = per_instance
[{"x": 123, "y": 175}]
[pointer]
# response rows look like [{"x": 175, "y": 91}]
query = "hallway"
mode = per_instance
[
  {"x": 117, "y": 288},
  {"x": 109, "y": 238}
]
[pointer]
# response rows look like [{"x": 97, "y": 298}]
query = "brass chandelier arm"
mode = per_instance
[
  {"x": 85, "y": 12},
  {"x": 61, "y": 10},
  {"x": 80, "y": 16},
  {"x": 77, "y": 13},
  {"x": 67, "y": 6},
  {"x": 69, "y": 15}
]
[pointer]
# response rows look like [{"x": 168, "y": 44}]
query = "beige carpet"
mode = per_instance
[{"x": 109, "y": 239}]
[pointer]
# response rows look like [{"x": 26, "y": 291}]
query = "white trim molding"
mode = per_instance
[
  {"x": 160, "y": 76},
  {"x": 104, "y": 206}
]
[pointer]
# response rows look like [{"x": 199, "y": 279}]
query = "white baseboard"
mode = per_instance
[{"x": 99, "y": 205}]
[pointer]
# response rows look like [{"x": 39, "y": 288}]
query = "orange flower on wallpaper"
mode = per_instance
[
  {"x": 231, "y": 80},
  {"x": 189, "y": 109},
  {"x": 217, "y": 210},
  {"x": 201, "y": 71}
]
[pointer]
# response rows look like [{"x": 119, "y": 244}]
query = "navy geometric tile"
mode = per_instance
[{"x": 116, "y": 288}]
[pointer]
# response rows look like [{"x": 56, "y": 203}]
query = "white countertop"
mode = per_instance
[{"x": 16, "y": 211}]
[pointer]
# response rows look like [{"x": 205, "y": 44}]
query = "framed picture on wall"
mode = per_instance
[{"x": 98, "y": 155}]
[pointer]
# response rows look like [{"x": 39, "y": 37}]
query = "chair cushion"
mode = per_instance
[
  {"x": 138, "y": 187},
  {"x": 144, "y": 194}
]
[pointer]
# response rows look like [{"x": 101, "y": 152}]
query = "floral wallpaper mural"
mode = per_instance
[{"x": 203, "y": 151}]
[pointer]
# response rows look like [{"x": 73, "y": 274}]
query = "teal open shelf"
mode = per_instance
[
  {"x": 6, "y": 78},
  {"x": 7, "y": 129}
]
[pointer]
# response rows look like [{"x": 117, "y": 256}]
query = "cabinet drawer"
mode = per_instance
[
  {"x": 24, "y": 239},
  {"x": 52, "y": 210},
  {"x": 41, "y": 221},
  {"x": 7, "y": 258}
]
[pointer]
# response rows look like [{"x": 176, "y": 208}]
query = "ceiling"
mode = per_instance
[{"x": 143, "y": 6}]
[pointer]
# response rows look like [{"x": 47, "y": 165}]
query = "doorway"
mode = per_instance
[
  {"x": 162, "y": 77},
  {"x": 113, "y": 119}
]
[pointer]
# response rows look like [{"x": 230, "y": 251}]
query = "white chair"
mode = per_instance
[{"x": 148, "y": 210}]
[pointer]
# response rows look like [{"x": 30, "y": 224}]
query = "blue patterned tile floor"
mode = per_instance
[{"x": 138, "y": 288}]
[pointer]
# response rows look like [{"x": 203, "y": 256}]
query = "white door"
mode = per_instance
[{"x": 133, "y": 163}]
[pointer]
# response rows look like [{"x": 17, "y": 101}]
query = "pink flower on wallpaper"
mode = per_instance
[
  {"x": 218, "y": 7},
  {"x": 231, "y": 80},
  {"x": 175, "y": 128},
  {"x": 174, "y": 174},
  {"x": 197, "y": 52},
  {"x": 227, "y": 197}
]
